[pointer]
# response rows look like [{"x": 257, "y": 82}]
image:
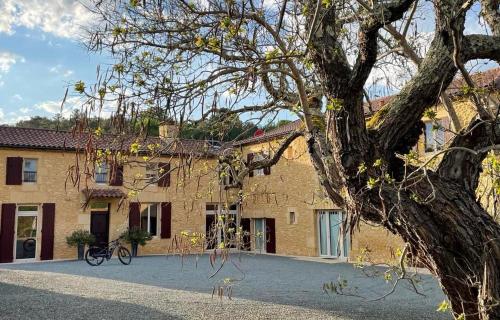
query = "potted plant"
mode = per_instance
[
  {"x": 136, "y": 237},
  {"x": 79, "y": 239}
]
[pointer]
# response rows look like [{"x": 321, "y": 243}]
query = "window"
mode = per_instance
[
  {"x": 101, "y": 173},
  {"x": 258, "y": 157},
  {"x": 29, "y": 170},
  {"x": 151, "y": 172},
  {"x": 149, "y": 218},
  {"x": 292, "y": 219},
  {"x": 434, "y": 136}
]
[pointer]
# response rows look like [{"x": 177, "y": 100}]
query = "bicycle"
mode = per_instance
[{"x": 95, "y": 255}]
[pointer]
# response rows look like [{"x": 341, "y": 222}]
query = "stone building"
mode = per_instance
[{"x": 50, "y": 186}]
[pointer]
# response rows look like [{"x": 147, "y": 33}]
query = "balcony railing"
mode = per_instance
[
  {"x": 101, "y": 177},
  {"x": 29, "y": 176}
]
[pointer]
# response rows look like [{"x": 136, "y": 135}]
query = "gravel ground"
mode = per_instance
[{"x": 162, "y": 287}]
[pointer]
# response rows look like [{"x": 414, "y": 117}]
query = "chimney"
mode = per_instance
[{"x": 169, "y": 130}]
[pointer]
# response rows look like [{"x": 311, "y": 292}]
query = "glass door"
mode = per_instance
[
  {"x": 260, "y": 234},
  {"x": 333, "y": 241},
  {"x": 26, "y": 230}
]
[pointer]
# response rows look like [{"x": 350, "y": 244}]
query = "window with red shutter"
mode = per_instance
[
  {"x": 164, "y": 174},
  {"x": 14, "y": 174},
  {"x": 116, "y": 178}
]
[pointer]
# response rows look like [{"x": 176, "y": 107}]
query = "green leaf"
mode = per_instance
[
  {"x": 443, "y": 306},
  {"x": 80, "y": 87}
]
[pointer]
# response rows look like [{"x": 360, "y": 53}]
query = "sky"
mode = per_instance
[{"x": 41, "y": 55}]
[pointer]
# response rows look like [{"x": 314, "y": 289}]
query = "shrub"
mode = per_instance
[
  {"x": 136, "y": 235},
  {"x": 80, "y": 237}
]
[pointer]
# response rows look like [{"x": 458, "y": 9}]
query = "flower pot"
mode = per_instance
[
  {"x": 81, "y": 251},
  {"x": 134, "y": 246}
]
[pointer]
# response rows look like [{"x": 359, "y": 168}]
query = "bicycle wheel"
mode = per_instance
[
  {"x": 93, "y": 256},
  {"x": 124, "y": 255}
]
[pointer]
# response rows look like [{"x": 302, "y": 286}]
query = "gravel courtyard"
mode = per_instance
[{"x": 160, "y": 287}]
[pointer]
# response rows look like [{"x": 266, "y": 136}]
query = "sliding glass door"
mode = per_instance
[
  {"x": 333, "y": 241},
  {"x": 26, "y": 227}
]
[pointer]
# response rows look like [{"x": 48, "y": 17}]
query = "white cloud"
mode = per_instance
[
  {"x": 1, "y": 115},
  {"x": 25, "y": 110},
  {"x": 59, "y": 69},
  {"x": 17, "y": 97},
  {"x": 7, "y": 59},
  {"x": 53, "y": 107},
  {"x": 63, "y": 18}
]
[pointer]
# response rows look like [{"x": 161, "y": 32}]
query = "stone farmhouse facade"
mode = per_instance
[{"x": 42, "y": 202}]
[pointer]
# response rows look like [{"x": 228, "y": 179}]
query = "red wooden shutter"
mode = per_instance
[
  {"x": 48, "y": 217},
  {"x": 7, "y": 225},
  {"x": 267, "y": 171},
  {"x": 116, "y": 177},
  {"x": 164, "y": 180},
  {"x": 134, "y": 215},
  {"x": 270, "y": 235},
  {"x": 14, "y": 174},
  {"x": 249, "y": 160},
  {"x": 166, "y": 220}
]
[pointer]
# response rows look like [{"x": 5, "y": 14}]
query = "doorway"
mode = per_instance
[
  {"x": 333, "y": 239},
  {"x": 99, "y": 227},
  {"x": 217, "y": 220},
  {"x": 26, "y": 231}
]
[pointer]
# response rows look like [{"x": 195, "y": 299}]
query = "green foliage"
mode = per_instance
[
  {"x": 372, "y": 183},
  {"x": 80, "y": 87},
  {"x": 444, "y": 306},
  {"x": 430, "y": 113},
  {"x": 136, "y": 235},
  {"x": 80, "y": 237},
  {"x": 334, "y": 104}
]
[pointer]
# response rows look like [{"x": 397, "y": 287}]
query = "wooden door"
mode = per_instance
[
  {"x": 270, "y": 235},
  {"x": 99, "y": 227}
]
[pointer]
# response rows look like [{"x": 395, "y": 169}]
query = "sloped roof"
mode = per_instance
[
  {"x": 271, "y": 134},
  {"x": 31, "y": 138},
  {"x": 103, "y": 193}
]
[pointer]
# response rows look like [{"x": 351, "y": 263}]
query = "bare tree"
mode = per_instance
[{"x": 314, "y": 58}]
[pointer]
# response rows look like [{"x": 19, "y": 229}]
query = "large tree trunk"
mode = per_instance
[{"x": 454, "y": 237}]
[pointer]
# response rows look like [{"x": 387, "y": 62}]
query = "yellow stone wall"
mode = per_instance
[{"x": 188, "y": 197}]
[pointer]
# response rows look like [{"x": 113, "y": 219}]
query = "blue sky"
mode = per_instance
[{"x": 40, "y": 55}]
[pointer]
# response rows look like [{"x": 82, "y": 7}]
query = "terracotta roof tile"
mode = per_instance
[
  {"x": 95, "y": 193},
  {"x": 31, "y": 138},
  {"x": 271, "y": 134}
]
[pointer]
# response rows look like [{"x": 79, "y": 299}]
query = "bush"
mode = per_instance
[
  {"x": 136, "y": 235},
  {"x": 80, "y": 237}
]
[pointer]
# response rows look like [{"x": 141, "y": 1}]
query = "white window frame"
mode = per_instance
[
  {"x": 36, "y": 170},
  {"x": 27, "y": 214},
  {"x": 98, "y": 169},
  {"x": 152, "y": 174},
  {"x": 259, "y": 156},
  {"x": 149, "y": 205},
  {"x": 342, "y": 234},
  {"x": 264, "y": 235}
]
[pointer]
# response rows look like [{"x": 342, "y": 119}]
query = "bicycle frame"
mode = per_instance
[{"x": 107, "y": 252}]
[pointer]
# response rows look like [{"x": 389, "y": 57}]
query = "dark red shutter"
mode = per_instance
[
  {"x": 134, "y": 215},
  {"x": 164, "y": 176},
  {"x": 270, "y": 235},
  {"x": 166, "y": 220},
  {"x": 48, "y": 219},
  {"x": 8, "y": 223},
  {"x": 267, "y": 171},
  {"x": 14, "y": 174},
  {"x": 249, "y": 160},
  {"x": 116, "y": 178}
]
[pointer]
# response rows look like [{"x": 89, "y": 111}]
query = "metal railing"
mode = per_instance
[{"x": 29, "y": 176}]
